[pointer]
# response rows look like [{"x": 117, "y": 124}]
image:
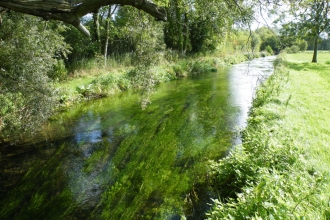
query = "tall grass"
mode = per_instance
[{"x": 278, "y": 173}]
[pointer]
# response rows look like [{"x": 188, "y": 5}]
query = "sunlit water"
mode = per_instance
[{"x": 109, "y": 159}]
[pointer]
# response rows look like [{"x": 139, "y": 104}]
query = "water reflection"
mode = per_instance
[
  {"x": 244, "y": 79},
  {"x": 88, "y": 128}
]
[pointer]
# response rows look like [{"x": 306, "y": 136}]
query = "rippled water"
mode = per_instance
[{"x": 109, "y": 159}]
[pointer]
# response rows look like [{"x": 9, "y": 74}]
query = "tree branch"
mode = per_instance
[{"x": 71, "y": 14}]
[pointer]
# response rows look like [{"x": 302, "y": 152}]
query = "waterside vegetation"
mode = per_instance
[
  {"x": 281, "y": 171},
  {"x": 97, "y": 81}
]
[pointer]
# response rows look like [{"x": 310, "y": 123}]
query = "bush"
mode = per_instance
[
  {"x": 179, "y": 71},
  {"x": 106, "y": 85},
  {"x": 264, "y": 53},
  {"x": 85, "y": 91},
  {"x": 269, "y": 49},
  {"x": 59, "y": 72},
  {"x": 28, "y": 51},
  {"x": 202, "y": 66},
  {"x": 302, "y": 45},
  {"x": 293, "y": 49}
]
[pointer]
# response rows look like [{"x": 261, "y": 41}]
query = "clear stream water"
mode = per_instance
[{"x": 109, "y": 159}]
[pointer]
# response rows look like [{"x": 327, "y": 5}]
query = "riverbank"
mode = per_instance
[
  {"x": 95, "y": 80},
  {"x": 282, "y": 169}
]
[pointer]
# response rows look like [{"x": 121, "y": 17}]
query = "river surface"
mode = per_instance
[{"x": 109, "y": 159}]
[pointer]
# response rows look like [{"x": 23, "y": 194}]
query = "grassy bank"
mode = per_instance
[
  {"x": 94, "y": 80},
  {"x": 282, "y": 170}
]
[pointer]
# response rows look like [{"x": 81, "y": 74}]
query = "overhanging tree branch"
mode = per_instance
[{"x": 72, "y": 13}]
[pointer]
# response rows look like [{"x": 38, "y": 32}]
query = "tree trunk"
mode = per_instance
[
  {"x": 179, "y": 26},
  {"x": 185, "y": 33},
  {"x": 107, "y": 26},
  {"x": 2, "y": 10},
  {"x": 314, "y": 60},
  {"x": 107, "y": 32},
  {"x": 71, "y": 13},
  {"x": 97, "y": 30}
]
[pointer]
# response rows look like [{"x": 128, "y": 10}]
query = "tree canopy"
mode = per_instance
[
  {"x": 71, "y": 11},
  {"x": 313, "y": 22},
  {"x": 302, "y": 20}
]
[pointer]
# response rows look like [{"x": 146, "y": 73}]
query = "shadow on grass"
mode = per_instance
[{"x": 308, "y": 66}]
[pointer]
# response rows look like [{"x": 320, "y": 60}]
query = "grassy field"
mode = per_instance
[
  {"x": 282, "y": 170},
  {"x": 303, "y": 57},
  {"x": 310, "y": 108}
]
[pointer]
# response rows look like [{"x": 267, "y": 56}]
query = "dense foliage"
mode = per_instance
[
  {"x": 201, "y": 25},
  {"x": 30, "y": 52}
]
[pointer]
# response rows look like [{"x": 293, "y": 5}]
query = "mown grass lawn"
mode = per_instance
[
  {"x": 308, "y": 114},
  {"x": 306, "y": 57},
  {"x": 282, "y": 170}
]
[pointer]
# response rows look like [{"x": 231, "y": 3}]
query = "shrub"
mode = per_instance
[
  {"x": 201, "y": 66},
  {"x": 28, "y": 51},
  {"x": 302, "y": 45},
  {"x": 293, "y": 49},
  {"x": 269, "y": 49},
  {"x": 264, "y": 53},
  {"x": 85, "y": 91},
  {"x": 179, "y": 71},
  {"x": 59, "y": 72}
]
